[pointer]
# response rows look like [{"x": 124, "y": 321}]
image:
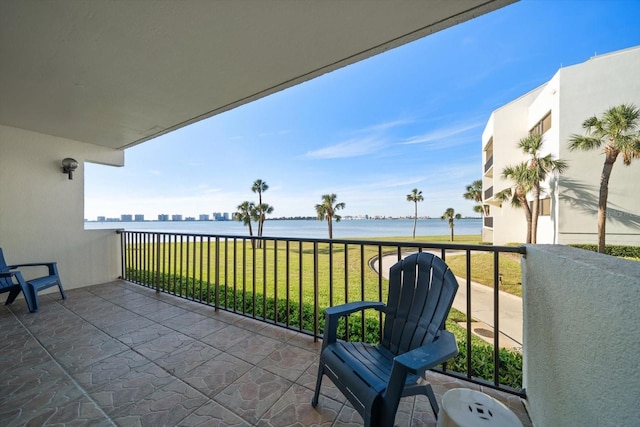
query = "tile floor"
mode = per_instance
[{"x": 120, "y": 354}]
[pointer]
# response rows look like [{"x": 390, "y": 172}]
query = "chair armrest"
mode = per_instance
[
  {"x": 52, "y": 266},
  {"x": 333, "y": 314},
  {"x": 352, "y": 307},
  {"x": 430, "y": 355}
]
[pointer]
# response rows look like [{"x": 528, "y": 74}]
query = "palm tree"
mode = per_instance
[
  {"x": 259, "y": 186},
  {"x": 246, "y": 213},
  {"x": 474, "y": 192},
  {"x": 517, "y": 195},
  {"x": 415, "y": 196},
  {"x": 539, "y": 168},
  {"x": 450, "y": 214},
  {"x": 327, "y": 210},
  {"x": 619, "y": 131}
]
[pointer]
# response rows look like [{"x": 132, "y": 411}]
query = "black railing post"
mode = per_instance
[
  {"x": 275, "y": 281},
  {"x": 300, "y": 288},
  {"x": 363, "y": 294},
  {"x": 123, "y": 255},
  {"x": 380, "y": 294},
  {"x": 468, "y": 315},
  {"x": 315, "y": 291},
  {"x": 157, "y": 263},
  {"x": 496, "y": 319}
]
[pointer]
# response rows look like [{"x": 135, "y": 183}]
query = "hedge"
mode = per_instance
[
  {"x": 254, "y": 304},
  {"x": 613, "y": 250}
]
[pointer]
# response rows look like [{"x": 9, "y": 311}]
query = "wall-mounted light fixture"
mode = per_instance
[{"x": 69, "y": 165}]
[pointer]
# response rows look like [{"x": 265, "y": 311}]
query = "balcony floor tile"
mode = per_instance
[{"x": 122, "y": 354}]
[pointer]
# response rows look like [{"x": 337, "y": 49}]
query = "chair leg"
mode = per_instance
[
  {"x": 13, "y": 293},
  {"x": 314, "y": 401},
  {"x": 432, "y": 400},
  {"x": 61, "y": 290}
]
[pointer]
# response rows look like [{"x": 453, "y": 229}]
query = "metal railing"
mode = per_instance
[
  {"x": 488, "y": 193},
  {"x": 488, "y": 221},
  {"x": 488, "y": 164},
  {"x": 288, "y": 282}
]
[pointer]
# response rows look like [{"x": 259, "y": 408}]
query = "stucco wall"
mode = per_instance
[
  {"x": 586, "y": 90},
  {"x": 42, "y": 211},
  {"x": 581, "y": 329}
]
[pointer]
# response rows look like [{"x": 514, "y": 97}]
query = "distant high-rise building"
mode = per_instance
[
  {"x": 139, "y": 217},
  {"x": 190, "y": 218},
  {"x": 163, "y": 217},
  {"x": 176, "y": 217},
  {"x": 126, "y": 217},
  {"x": 204, "y": 217},
  {"x": 102, "y": 219},
  {"x": 219, "y": 216}
]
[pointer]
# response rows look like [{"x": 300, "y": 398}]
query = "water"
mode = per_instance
[{"x": 305, "y": 228}]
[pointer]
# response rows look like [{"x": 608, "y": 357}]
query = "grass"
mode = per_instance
[
  {"x": 466, "y": 239},
  {"x": 482, "y": 270},
  {"x": 481, "y": 263},
  {"x": 331, "y": 272}
]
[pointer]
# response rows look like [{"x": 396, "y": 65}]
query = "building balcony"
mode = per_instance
[
  {"x": 149, "y": 352},
  {"x": 488, "y": 167},
  {"x": 488, "y": 221},
  {"x": 488, "y": 193}
]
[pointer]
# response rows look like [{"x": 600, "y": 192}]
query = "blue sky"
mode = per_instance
[{"x": 371, "y": 132}]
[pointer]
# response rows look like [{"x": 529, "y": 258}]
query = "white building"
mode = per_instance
[{"x": 570, "y": 202}]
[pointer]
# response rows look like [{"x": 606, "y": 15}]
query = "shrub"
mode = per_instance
[{"x": 613, "y": 250}]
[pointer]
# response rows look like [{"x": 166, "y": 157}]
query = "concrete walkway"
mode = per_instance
[{"x": 482, "y": 306}]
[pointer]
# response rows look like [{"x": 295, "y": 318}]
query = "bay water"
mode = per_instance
[{"x": 310, "y": 228}]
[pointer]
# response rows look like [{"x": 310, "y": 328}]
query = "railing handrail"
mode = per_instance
[{"x": 435, "y": 245}]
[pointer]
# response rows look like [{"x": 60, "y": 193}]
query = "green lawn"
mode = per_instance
[
  {"x": 482, "y": 270},
  {"x": 335, "y": 274}
]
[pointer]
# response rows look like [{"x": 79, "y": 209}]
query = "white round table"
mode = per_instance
[{"x": 462, "y": 407}]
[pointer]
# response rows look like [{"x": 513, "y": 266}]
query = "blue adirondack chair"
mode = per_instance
[
  {"x": 375, "y": 377},
  {"x": 31, "y": 287}
]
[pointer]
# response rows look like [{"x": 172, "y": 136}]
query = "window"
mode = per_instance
[
  {"x": 542, "y": 126},
  {"x": 545, "y": 207}
]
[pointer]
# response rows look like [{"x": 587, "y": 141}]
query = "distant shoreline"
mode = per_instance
[
  {"x": 302, "y": 227},
  {"x": 306, "y": 218}
]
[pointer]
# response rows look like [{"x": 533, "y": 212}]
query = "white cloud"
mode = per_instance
[
  {"x": 382, "y": 127},
  {"x": 350, "y": 148},
  {"x": 445, "y": 137},
  {"x": 374, "y": 140}
]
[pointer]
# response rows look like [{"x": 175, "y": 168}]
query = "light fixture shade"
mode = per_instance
[{"x": 69, "y": 165}]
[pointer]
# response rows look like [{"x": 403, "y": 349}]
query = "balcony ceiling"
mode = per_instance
[{"x": 119, "y": 73}]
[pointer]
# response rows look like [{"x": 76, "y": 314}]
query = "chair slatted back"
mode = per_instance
[
  {"x": 3, "y": 264},
  {"x": 421, "y": 292},
  {"x": 5, "y": 282}
]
